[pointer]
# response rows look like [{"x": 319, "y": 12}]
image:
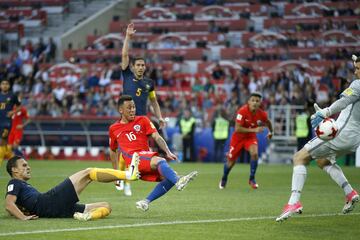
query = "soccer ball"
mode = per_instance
[{"x": 327, "y": 129}]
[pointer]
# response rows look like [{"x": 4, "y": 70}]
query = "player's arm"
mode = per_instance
[
  {"x": 163, "y": 145},
  {"x": 114, "y": 156},
  {"x": 21, "y": 126},
  {"x": 349, "y": 96},
  {"x": 268, "y": 124},
  {"x": 113, "y": 149},
  {"x": 240, "y": 129},
  {"x": 11, "y": 207},
  {"x": 17, "y": 106},
  {"x": 155, "y": 105},
  {"x": 125, "y": 49}
]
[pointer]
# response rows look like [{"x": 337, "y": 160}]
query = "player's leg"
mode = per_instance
[
  {"x": 3, "y": 143},
  {"x": 123, "y": 184},
  {"x": 82, "y": 178},
  {"x": 14, "y": 142},
  {"x": 336, "y": 173},
  {"x": 93, "y": 211},
  {"x": 234, "y": 152},
  {"x": 2, "y": 153},
  {"x": 253, "y": 151},
  {"x": 161, "y": 165},
  {"x": 300, "y": 159},
  {"x": 122, "y": 165},
  {"x": 168, "y": 177}
]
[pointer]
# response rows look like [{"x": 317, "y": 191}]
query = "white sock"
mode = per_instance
[
  {"x": 338, "y": 176},
  {"x": 128, "y": 174},
  {"x": 298, "y": 180}
]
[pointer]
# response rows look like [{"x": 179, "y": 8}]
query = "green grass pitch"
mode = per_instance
[{"x": 201, "y": 211}]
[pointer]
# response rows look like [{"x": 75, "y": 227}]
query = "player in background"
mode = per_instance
[
  {"x": 250, "y": 119},
  {"x": 140, "y": 88},
  {"x": 24, "y": 202},
  {"x": 7, "y": 103},
  {"x": 325, "y": 152},
  {"x": 20, "y": 119},
  {"x": 129, "y": 135}
]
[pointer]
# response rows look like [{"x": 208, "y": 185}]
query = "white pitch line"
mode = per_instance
[{"x": 166, "y": 223}]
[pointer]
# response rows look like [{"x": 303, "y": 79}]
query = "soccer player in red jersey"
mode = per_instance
[
  {"x": 250, "y": 119},
  {"x": 20, "y": 119},
  {"x": 129, "y": 136}
]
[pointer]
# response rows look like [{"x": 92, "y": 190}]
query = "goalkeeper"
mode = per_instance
[{"x": 348, "y": 140}]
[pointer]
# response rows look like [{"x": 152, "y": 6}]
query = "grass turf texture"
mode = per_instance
[{"x": 201, "y": 211}]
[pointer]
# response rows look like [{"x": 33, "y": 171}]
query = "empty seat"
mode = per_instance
[
  {"x": 94, "y": 151},
  {"x": 42, "y": 150},
  {"x": 68, "y": 151},
  {"x": 55, "y": 150},
  {"x": 81, "y": 151}
]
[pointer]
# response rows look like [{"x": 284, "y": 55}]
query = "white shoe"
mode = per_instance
[
  {"x": 143, "y": 205},
  {"x": 127, "y": 189},
  {"x": 184, "y": 180},
  {"x": 133, "y": 171},
  {"x": 119, "y": 185},
  {"x": 289, "y": 210},
  {"x": 82, "y": 216},
  {"x": 351, "y": 199}
]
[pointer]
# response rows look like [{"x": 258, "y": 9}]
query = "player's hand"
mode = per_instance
[
  {"x": 259, "y": 129},
  {"x": 318, "y": 116},
  {"x": 269, "y": 135},
  {"x": 354, "y": 58},
  {"x": 171, "y": 156},
  {"x": 10, "y": 113},
  {"x": 130, "y": 31},
  {"x": 31, "y": 217},
  {"x": 162, "y": 123},
  {"x": 20, "y": 126}
]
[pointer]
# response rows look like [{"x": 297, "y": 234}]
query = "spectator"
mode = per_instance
[
  {"x": 76, "y": 109},
  {"x": 187, "y": 129},
  {"x": 218, "y": 73},
  {"x": 220, "y": 128},
  {"x": 50, "y": 50},
  {"x": 105, "y": 76}
]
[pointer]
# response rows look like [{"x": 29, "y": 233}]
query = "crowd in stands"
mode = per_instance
[{"x": 89, "y": 92}]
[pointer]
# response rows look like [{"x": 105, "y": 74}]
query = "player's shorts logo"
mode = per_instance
[{"x": 137, "y": 127}]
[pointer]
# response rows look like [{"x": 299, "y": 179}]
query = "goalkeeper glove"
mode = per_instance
[{"x": 319, "y": 115}]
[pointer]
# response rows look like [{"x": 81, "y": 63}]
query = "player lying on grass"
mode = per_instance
[
  {"x": 25, "y": 202},
  {"x": 347, "y": 140},
  {"x": 129, "y": 136}
]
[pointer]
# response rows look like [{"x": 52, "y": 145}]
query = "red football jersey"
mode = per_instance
[
  {"x": 131, "y": 137},
  {"x": 249, "y": 120},
  {"x": 18, "y": 117}
]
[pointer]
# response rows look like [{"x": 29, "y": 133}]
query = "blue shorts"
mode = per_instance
[{"x": 59, "y": 202}]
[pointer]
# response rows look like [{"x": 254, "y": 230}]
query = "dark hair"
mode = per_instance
[
  {"x": 133, "y": 60},
  {"x": 4, "y": 79},
  {"x": 124, "y": 98},
  {"x": 357, "y": 60},
  {"x": 256, "y": 94},
  {"x": 12, "y": 162}
]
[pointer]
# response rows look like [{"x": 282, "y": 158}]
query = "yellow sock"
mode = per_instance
[
  {"x": 100, "y": 212},
  {"x": 122, "y": 165},
  {"x": 106, "y": 174},
  {"x": 8, "y": 152},
  {"x": 3, "y": 150}
]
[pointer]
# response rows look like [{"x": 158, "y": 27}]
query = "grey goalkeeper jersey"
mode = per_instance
[{"x": 349, "y": 119}]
